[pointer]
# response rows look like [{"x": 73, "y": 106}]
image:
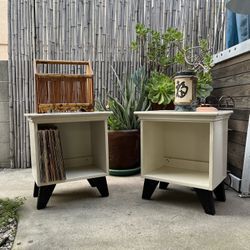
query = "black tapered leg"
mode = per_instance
[
  {"x": 163, "y": 185},
  {"x": 44, "y": 194},
  {"x": 91, "y": 182},
  {"x": 149, "y": 188},
  {"x": 206, "y": 200},
  {"x": 219, "y": 192},
  {"x": 101, "y": 184},
  {"x": 35, "y": 191}
]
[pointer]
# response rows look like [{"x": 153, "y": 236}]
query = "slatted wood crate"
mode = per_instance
[{"x": 63, "y": 86}]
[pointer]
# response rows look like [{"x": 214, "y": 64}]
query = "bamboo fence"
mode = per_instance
[{"x": 97, "y": 30}]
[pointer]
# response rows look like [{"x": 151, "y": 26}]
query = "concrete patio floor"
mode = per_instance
[{"x": 78, "y": 218}]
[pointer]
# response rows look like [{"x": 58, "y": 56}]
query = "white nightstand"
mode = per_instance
[
  {"x": 84, "y": 144},
  {"x": 185, "y": 148}
]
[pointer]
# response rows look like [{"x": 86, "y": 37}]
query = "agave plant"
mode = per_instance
[{"x": 132, "y": 98}]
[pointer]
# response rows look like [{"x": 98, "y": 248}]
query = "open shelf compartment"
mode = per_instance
[
  {"x": 84, "y": 145},
  {"x": 177, "y": 152}
]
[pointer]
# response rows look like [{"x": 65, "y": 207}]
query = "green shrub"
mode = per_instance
[
  {"x": 8, "y": 209},
  {"x": 156, "y": 49}
]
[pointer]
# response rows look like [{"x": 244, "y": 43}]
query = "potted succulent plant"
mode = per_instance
[
  {"x": 156, "y": 52},
  {"x": 124, "y": 135},
  {"x": 160, "y": 91},
  {"x": 159, "y": 52}
]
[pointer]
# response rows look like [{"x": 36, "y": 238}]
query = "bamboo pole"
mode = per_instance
[{"x": 99, "y": 31}]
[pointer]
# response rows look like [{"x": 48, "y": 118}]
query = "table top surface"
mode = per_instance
[
  {"x": 173, "y": 112},
  {"x": 68, "y": 116},
  {"x": 187, "y": 115}
]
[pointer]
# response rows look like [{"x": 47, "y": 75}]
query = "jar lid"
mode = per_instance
[{"x": 185, "y": 73}]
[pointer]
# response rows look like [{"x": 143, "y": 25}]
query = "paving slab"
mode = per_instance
[{"x": 78, "y": 218}]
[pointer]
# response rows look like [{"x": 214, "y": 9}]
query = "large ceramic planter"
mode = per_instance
[{"x": 124, "y": 152}]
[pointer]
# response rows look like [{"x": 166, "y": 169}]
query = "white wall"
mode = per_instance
[{"x": 4, "y": 30}]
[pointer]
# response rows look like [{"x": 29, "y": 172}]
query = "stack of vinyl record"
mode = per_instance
[{"x": 51, "y": 156}]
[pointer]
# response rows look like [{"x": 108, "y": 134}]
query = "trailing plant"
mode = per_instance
[
  {"x": 132, "y": 97},
  {"x": 160, "y": 88}
]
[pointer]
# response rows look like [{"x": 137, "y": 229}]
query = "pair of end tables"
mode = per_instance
[{"x": 184, "y": 148}]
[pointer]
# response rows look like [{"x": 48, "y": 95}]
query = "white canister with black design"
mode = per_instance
[{"x": 185, "y": 90}]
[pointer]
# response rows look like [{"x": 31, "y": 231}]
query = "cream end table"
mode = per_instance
[
  {"x": 84, "y": 147},
  {"x": 185, "y": 148}
]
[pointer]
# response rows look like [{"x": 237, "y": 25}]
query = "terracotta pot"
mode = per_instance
[
  {"x": 124, "y": 149},
  {"x": 206, "y": 108}
]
